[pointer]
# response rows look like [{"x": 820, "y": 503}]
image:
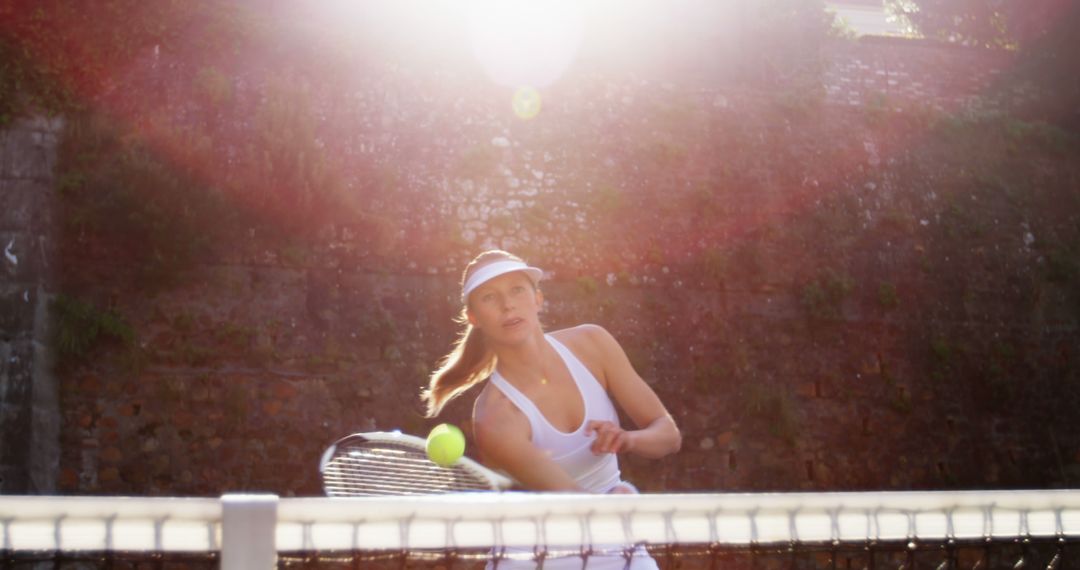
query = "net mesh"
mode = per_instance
[
  {"x": 79, "y": 560},
  {"x": 1048, "y": 554},
  {"x": 1051, "y": 554}
]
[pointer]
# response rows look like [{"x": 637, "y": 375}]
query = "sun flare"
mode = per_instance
[
  {"x": 525, "y": 42},
  {"x": 533, "y": 43}
]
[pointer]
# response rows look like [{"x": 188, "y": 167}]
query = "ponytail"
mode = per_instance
[{"x": 468, "y": 363}]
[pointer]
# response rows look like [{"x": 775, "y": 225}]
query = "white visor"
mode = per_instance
[{"x": 489, "y": 272}]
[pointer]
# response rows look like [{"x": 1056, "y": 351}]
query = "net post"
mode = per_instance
[{"x": 247, "y": 534}]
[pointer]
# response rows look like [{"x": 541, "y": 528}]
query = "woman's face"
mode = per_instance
[{"x": 506, "y": 308}]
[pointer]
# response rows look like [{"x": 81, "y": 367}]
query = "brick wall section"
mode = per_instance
[
  {"x": 29, "y": 410},
  {"x": 889, "y": 73},
  {"x": 243, "y": 373}
]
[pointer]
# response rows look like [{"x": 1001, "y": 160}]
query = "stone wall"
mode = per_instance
[
  {"x": 819, "y": 293},
  {"x": 29, "y": 408},
  {"x": 893, "y": 72}
]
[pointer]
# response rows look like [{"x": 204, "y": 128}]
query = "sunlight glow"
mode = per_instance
[
  {"x": 525, "y": 42},
  {"x": 533, "y": 43}
]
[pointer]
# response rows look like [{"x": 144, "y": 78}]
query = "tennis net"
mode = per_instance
[{"x": 975, "y": 529}]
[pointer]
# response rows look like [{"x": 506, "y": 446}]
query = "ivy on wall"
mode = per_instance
[
  {"x": 58, "y": 56},
  {"x": 117, "y": 192},
  {"x": 82, "y": 326},
  {"x": 161, "y": 157}
]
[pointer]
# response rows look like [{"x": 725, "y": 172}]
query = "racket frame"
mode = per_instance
[{"x": 495, "y": 481}]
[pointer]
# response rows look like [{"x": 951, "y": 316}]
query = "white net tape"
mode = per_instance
[{"x": 527, "y": 520}]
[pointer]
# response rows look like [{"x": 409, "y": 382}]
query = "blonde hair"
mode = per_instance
[{"x": 470, "y": 361}]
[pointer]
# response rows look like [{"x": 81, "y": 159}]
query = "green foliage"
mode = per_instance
[
  {"x": 607, "y": 198},
  {"x": 503, "y": 221},
  {"x": 588, "y": 285},
  {"x": 477, "y": 161},
  {"x": 295, "y": 255},
  {"x": 783, "y": 41},
  {"x": 967, "y": 128},
  {"x": 213, "y": 86},
  {"x": 1050, "y": 58},
  {"x": 972, "y": 22},
  {"x": 391, "y": 354},
  {"x": 379, "y": 327},
  {"x": 900, "y": 401},
  {"x": 80, "y": 327},
  {"x": 148, "y": 210},
  {"x": 774, "y": 408},
  {"x": 705, "y": 200},
  {"x": 655, "y": 255},
  {"x": 800, "y": 103},
  {"x": 1050, "y": 139},
  {"x": 887, "y": 296},
  {"x": 56, "y": 55},
  {"x": 714, "y": 266},
  {"x": 607, "y": 307},
  {"x": 823, "y": 297},
  {"x": 666, "y": 154},
  {"x": 1042, "y": 32},
  {"x": 184, "y": 323},
  {"x": 236, "y": 403},
  {"x": 1004, "y": 353},
  {"x": 288, "y": 174},
  {"x": 641, "y": 358},
  {"x": 706, "y": 375},
  {"x": 677, "y": 115},
  {"x": 747, "y": 258},
  {"x": 994, "y": 184},
  {"x": 148, "y": 183},
  {"x": 842, "y": 29},
  {"x": 959, "y": 219},
  {"x": 193, "y": 354},
  {"x": 25, "y": 87},
  {"x": 235, "y": 335},
  {"x": 941, "y": 350},
  {"x": 536, "y": 217},
  {"x": 1062, "y": 265},
  {"x": 158, "y": 191},
  {"x": 381, "y": 233},
  {"x": 877, "y": 109}
]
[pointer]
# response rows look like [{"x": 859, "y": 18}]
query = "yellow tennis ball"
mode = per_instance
[{"x": 445, "y": 444}]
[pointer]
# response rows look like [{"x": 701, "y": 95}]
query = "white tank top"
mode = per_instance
[{"x": 571, "y": 450}]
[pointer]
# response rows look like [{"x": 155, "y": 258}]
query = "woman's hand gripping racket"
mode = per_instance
[{"x": 393, "y": 463}]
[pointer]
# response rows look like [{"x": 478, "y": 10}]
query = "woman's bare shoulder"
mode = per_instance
[
  {"x": 590, "y": 343},
  {"x": 585, "y": 338},
  {"x": 587, "y": 333},
  {"x": 490, "y": 402}
]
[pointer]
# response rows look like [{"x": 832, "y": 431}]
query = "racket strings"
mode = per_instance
[{"x": 380, "y": 468}]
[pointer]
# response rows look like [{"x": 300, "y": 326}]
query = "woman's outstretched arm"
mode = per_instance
[
  {"x": 503, "y": 438},
  {"x": 657, "y": 434}
]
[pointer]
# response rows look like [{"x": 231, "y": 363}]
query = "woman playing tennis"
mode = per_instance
[{"x": 547, "y": 417}]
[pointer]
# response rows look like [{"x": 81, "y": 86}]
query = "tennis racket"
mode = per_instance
[{"x": 393, "y": 463}]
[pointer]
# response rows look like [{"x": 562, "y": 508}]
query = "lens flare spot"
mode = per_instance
[{"x": 526, "y": 103}]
